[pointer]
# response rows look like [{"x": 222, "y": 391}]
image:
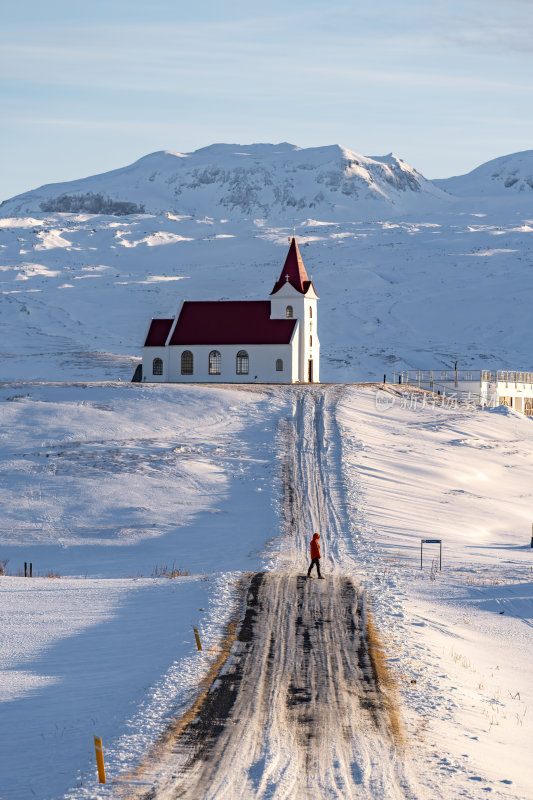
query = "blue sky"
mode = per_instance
[{"x": 88, "y": 87}]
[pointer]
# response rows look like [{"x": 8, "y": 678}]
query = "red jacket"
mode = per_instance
[{"x": 315, "y": 547}]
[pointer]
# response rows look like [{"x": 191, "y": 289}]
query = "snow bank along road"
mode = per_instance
[{"x": 298, "y": 711}]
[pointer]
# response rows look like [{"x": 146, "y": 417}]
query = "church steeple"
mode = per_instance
[{"x": 293, "y": 271}]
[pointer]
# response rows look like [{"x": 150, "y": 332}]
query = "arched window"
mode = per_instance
[
  {"x": 215, "y": 362},
  {"x": 187, "y": 363},
  {"x": 311, "y": 312},
  {"x": 157, "y": 367},
  {"x": 288, "y": 312},
  {"x": 242, "y": 362},
  {"x": 279, "y": 365}
]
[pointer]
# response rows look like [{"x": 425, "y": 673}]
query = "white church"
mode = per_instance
[{"x": 258, "y": 341}]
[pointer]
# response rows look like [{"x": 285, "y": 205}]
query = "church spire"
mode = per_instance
[{"x": 293, "y": 271}]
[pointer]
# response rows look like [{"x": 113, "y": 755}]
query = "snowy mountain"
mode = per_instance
[
  {"x": 507, "y": 175},
  {"x": 258, "y": 180},
  {"x": 399, "y": 289}
]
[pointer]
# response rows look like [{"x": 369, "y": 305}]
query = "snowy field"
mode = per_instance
[
  {"x": 104, "y": 487},
  {"x": 460, "y": 641},
  {"x": 420, "y": 291},
  {"x": 119, "y": 481}
]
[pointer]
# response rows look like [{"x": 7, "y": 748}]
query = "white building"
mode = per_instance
[
  {"x": 263, "y": 341},
  {"x": 483, "y": 387}
]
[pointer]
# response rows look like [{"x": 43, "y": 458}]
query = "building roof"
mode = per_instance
[
  {"x": 158, "y": 332},
  {"x": 293, "y": 271},
  {"x": 230, "y": 322}
]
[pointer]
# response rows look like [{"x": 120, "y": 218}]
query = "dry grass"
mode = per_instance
[
  {"x": 483, "y": 580},
  {"x": 172, "y": 572},
  {"x": 385, "y": 681},
  {"x": 421, "y": 729}
]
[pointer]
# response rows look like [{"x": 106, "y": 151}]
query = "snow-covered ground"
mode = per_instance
[
  {"x": 460, "y": 641},
  {"x": 77, "y": 292},
  {"x": 106, "y": 648},
  {"x": 104, "y": 487}
]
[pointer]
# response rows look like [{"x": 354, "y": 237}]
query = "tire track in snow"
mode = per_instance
[{"x": 296, "y": 712}]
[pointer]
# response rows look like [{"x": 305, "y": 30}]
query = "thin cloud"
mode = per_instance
[{"x": 498, "y": 39}]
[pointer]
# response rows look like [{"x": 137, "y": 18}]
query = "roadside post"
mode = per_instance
[
  {"x": 99, "y": 758},
  {"x": 439, "y": 542},
  {"x": 197, "y": 637}
]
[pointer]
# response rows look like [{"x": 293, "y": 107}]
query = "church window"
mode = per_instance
[
  {"x": 157, "y": 367},
  {"x": 311, "y": 312},
  {"x": 187, "y": 363},
  {"x": 279, "y": 365},
  {"x": 289, "y": 312},
  {"x": 215, "y": 362},
  {"x": 242, "y": 362}
]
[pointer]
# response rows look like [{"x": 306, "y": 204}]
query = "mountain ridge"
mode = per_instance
[
  {"x": 266, "y": 180},
  {"x": 273, "y": 181},
  {"x": 512, "y": 173}
]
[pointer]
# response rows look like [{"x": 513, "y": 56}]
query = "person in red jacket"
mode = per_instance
[{"x": 315, "y": 555}]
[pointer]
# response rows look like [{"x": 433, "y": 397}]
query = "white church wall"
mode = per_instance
[
  {"x": 262, "y": 364},
  {"x": 304, "y": 309},
  {"x": 310, "y": 351},
  {"x": 295, "y": 345},
  {"x": 148, "y": 356},
  {"x": 287, "y": 296}
]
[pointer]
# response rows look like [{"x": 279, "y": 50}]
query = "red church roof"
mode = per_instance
[
  {"x": 293, "y": 271},
  {"x": 159, "y": 330},
  {"x": 230, "y": 322}
]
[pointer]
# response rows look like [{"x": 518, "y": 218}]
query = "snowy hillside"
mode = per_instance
[
  {"x": 259, "y": 180},
  {"x": 77, "y": 291},
  {"x": 507, "y": 175},
  {"x": 105, "y": 487}
]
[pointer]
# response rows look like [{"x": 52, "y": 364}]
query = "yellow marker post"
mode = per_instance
[
  {"x": 99, "y": 758},
  {"x": 197, "y": 637}
]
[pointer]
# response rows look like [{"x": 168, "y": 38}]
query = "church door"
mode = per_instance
[{"x": 310, "y": 370}]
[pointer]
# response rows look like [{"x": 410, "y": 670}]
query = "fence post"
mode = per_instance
[
  {"x": 31, "y": 569},
  {"x": 197, "y": 637},
  {"x": 99, "y": 758}
]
